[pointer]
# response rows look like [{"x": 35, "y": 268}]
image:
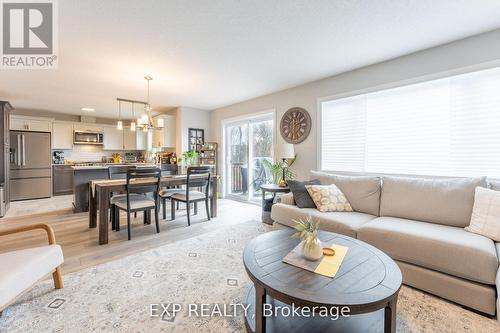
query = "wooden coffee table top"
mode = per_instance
[{"x": 365, "y": 282}]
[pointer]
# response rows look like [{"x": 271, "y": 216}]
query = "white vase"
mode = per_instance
[{"x": 312, "y": 252}]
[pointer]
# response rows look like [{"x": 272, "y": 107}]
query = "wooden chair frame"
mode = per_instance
[{"x": 56, "y": 274}]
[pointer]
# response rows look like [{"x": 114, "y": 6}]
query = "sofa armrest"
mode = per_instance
[
  {"x": 287, "y": 199},
  {"x": 50, "y": 232},
  {"x": 497, "y": 246}
]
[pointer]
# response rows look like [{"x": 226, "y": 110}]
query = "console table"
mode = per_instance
[{"x": 271, "y": 188}]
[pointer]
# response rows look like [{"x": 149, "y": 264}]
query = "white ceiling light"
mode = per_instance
[
  {"x": 145, "y": 121},
  {"x": 160, "y": 123},
  {"x": 119, "y": 124},
  {"x": 87, "y": 109},
  {"x": 132, "y": 123}
]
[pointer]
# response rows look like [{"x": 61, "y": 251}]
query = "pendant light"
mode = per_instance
[
  {"x": 119, "y": 124},
  {"x": 147, "y": 108},
  {"x": 160, "y": 123},
  {"x": 132, "y": 123}
]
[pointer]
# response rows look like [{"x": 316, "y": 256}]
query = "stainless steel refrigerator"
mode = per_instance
[{"x": 30, "y": 165}]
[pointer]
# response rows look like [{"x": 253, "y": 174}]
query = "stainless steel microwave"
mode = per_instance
[{"x": 81, "y": 137}]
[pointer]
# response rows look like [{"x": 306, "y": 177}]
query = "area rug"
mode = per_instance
[{"x": 117, "y": 296}]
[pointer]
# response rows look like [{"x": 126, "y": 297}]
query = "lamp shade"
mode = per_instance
[
  {"x": 160, "y": 123},
  {"x": 285, "y": 150}
]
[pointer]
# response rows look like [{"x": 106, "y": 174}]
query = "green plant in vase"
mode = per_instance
[
  {"x": 276, "y": 169},
  {"x": 188, "y": 158},
  {"x": 307, "y": 231}
]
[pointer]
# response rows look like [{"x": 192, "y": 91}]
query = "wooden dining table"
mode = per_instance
[{"x": 100, "y": 191}]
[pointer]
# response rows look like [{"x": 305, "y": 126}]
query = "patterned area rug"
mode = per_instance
[{"x": 116, "y": 296}]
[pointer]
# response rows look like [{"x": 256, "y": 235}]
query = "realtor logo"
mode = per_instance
[{"x": 29, "y": 32}]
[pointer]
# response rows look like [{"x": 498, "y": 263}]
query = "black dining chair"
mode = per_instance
[
  {"x": 166, "y": 193},
  {"x": 138, "y": 196},
  {"x": 117, "y": 172},
  {"x": 197, "y": 177}
]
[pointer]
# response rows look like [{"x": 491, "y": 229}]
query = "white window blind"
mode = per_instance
[{"x": 447, "y": 127}]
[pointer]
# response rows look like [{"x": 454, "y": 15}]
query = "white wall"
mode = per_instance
[
  {"x": 476, "y": 52},
  {"x": 190, "y": 118}
]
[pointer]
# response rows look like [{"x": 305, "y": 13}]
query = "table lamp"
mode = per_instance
[{"x": 285, "y": 151}]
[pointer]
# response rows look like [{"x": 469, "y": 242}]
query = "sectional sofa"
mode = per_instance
[{"x": 420, "y": 223}]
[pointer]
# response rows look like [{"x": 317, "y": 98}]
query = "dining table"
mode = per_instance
[{"x": 101, "y": 189}]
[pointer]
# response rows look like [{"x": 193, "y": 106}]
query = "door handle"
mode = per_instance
[
  {"x": 18, "y": 152},
  {"x": 24, "y": 152}
]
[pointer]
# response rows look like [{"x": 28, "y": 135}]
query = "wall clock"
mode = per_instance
[{"x": 295, "y": 125}]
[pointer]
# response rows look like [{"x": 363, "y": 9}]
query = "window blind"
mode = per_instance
[{"x": 446, "y": 127}]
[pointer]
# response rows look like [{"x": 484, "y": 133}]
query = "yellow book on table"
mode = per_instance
[{"x": 327, "y": 265}]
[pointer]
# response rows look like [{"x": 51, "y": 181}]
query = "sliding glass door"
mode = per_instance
[{"x": 248, "y": 143}]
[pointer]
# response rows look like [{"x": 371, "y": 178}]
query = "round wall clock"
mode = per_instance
[{"x": 295, "y": 125}]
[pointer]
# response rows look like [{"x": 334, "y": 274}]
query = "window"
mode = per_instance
[{"x": 446, "y": 127}]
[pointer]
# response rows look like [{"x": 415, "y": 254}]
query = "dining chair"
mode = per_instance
[
  {"x": 137, "y": 199},
  {"x": 166, "y": 193},
  {"x": 117, "y": 172},
  {"x": 197, "y": 177}
]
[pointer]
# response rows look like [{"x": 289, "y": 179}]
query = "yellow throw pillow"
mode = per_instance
[{"x": 328, "y": 198}]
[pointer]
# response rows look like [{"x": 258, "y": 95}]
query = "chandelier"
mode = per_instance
[{"x": 145, "y": 121}]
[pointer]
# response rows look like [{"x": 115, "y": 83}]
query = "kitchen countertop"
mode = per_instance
[
  {"x": 103, "y": 166},
  {"x": 94, "y": 167}
]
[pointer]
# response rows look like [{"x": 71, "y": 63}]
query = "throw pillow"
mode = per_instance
[
  {"x": 328, "y": 198},
  {"x": 485, "y": 219},
  {"x": 300, "y": 194}
]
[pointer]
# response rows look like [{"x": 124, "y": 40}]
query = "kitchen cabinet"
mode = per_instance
[
  {"x": 88, "y": 127},
  {"x": 62, "y": 135},
  {"x": 134, "y": 140},
  {"x": 113, "y": 138},
  {"x": 165, "y": 137},
  {"x": 62, "y": 177},
  {"x": 129, "y": 139},
  {"x": 23, "y": 123},
  {"x": 141, "y": 140}
]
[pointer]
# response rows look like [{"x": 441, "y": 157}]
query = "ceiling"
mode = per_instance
[{"x": 208, "y": 54}]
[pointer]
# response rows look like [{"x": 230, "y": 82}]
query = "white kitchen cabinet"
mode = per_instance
[
  {"x": 129, "y": 139},
  {"x": 141, "y": 140},
  {"x": 23, "y": 123},
  {"x": 137, "y": 140},
  {"x": 113, "y": 138},
  {"x": 165, "y": 137},
  {"x": 17, "y": 124},
  {"x": 88, "y": 127},
  {"x": 62, "y": 135}
]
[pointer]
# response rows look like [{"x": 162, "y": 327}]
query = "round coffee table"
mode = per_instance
[{"x": 367, "y": 283}]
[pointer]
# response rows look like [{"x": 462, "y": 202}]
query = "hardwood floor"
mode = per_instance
[{"x": 80, "y": 244}]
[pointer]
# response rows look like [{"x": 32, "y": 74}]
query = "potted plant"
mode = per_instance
[
  {"x": 188, "y": 158},
  {"x": 275, "y": 169},
  {"x": 307, "y": 231}
]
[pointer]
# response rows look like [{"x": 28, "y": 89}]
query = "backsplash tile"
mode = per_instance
[{"x": 88, "y": 153}]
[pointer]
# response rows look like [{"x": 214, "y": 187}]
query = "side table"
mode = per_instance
[{"x": 271, "y": 188}]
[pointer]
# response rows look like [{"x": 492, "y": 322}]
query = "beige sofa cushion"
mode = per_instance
[
  {"x": 345, "y": 223},
  {"x": 485, "y": 218},
  {"x": 438, "y": 247},
  {"x": 443, "y": 201},
  {"x": 21, "y": 269},
  {"x": 362, "y": 192},
  {"x": 288, "y": 199}
]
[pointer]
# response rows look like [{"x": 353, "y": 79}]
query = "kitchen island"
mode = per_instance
[{"x": 83, "y": 174}]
